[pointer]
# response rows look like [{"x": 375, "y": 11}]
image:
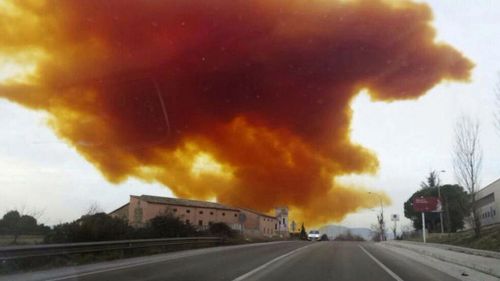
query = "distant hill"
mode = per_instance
[{"x": 333, "y": 231}]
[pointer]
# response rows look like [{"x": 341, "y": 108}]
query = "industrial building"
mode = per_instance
[
  {"x": 488, "y": 203},
  {"x": 140, "y": 209}
]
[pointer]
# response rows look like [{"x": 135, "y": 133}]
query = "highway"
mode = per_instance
[{"x": 297, "y": 260}]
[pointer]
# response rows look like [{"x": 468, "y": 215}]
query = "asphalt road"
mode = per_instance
[{"x": 340, "y": 261}]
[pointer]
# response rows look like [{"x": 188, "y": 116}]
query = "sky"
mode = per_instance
[{"x": 41, "y": 173}]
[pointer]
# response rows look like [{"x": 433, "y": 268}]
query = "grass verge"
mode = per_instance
[{"x": 489, "y": 239}]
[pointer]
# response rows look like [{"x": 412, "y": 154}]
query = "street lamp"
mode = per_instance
[
  {"x": 441, "y": 201},
  {"x": 381, "y": 219}
]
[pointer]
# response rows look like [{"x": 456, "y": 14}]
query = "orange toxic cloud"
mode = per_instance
[{"x": 244, "y": 101}]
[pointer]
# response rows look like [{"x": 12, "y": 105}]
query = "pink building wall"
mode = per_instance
[{"x": 141, "y": 211}]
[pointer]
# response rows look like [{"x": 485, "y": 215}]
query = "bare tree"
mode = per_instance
[
  {"x": 467, "y": 160},
  {"x": 94, "y": 208}
]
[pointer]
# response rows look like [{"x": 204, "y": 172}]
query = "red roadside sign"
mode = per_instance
[{"x": 426, "y": 204}]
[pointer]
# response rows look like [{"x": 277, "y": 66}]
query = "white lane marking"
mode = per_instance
[
  {"x": 255, "y": 270},
  {"x": 394, "y": 275},
  {"x": 164, "y": 259},
  {"x": 76, "y": 276}
]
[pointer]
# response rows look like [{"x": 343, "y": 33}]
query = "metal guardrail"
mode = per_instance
[{"x": 27, "y": 251}]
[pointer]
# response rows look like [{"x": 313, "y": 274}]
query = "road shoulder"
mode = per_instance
[
  {"x": 82, "y": 270},
  {"x": 456, "y": 271}
]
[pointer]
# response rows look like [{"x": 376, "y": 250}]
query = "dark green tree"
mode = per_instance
[
  {"x": 455, "y": 208},
  {"x": 15, "y": 224},
  {"x": 303, "y": 232},
  {"x": 431, "y": 181}
]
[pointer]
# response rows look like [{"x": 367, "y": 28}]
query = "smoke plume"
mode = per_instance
[{"x": 244, "y": 101}]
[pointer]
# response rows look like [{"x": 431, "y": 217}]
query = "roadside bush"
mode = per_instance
[
  {"x": 96, "y": 227},
  {"x": 324, "y": 237},
  {"x": 168, "y": 226},
  {"x": 103, "y": 227},
  {"x": 222, "y": 230}
]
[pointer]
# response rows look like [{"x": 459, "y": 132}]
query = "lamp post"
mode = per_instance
[
  {"x": 381, "y": 218},
  {"x": 441, "y": 201}
]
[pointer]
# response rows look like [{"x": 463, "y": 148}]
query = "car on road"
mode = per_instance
[{"x": 313, "y": 235}]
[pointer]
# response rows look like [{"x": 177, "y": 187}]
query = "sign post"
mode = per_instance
[
  {"x": 395, "y": 219},
  {"x": 423, "y": 226},
  {"x": 423, "y": 205}
]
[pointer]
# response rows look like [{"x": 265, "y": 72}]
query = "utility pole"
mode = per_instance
[
  {"x": 441, "y": 201},
  {"x": 423, "y": 226}
]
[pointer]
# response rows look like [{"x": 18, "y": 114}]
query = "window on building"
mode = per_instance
[
  {"x": 275, "y": 226},
  {"x": 235, "y": 215},
  {"x": 494, "y": 212},
  {"x": 211, "y": 213},
  {"x": 188, "y": 211},
  {"x": 174, "y": 210},
  {"x": 188, "y": 222},
  {"x": 201, "y": 212},
  {"x": 223, "y": 214},
  {"x": 200, "y": 223}
]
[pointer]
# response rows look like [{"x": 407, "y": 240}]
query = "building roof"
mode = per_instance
[
  {"x": 119, "y": 208},
  {"x": 486, "y": 190},
  {"x": 184, "y": 202},
  {"x": 257, "y": 213}
]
